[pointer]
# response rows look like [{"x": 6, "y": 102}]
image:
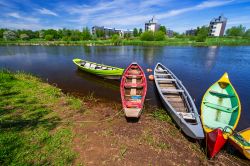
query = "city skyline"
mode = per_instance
[{"x": 123, "y": 14}]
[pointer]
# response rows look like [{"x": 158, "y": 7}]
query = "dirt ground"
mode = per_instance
[{"x": 103, "y": 136}]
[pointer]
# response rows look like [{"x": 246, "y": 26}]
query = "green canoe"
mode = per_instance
[
  {"x": 99, "y": 69},
  {"x": 220, "y": 106}
]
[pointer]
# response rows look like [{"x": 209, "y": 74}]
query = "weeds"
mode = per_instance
[{"x": 161, "y": 115}]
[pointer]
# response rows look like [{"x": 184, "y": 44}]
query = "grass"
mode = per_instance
[
  {"x": 161, "y": 115},
  {"x": 210, "y": 41},
  {"x": 31, "y": 132}
]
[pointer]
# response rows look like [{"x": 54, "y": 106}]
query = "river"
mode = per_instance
[{"x": 197, "y": 67}]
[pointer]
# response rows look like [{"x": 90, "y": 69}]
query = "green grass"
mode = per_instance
[
  {"x": 210, "y": 41},
  {"x": 161, "y": 115},
  {"x": 31, "y": 132}
]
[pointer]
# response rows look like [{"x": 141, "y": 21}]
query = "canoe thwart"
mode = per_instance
[
  {"x": 164, "y": 90},
  {"x": 220, "y": 95},
  {"x": 219, "y": 107}
]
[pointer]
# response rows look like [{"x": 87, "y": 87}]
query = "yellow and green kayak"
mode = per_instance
[
  {"x": 220, "y": 113},
  {"x": 241, "y": 141},
  {"x": 99, "y": 69}
]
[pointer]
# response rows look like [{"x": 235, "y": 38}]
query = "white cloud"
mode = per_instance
[
  {"x": 131, "y": 13},
  {"x": 47, "y": 12},
  {"x": 23, "y": 18}
]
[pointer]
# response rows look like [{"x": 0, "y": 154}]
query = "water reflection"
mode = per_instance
[{"x": 211, "y": 55}]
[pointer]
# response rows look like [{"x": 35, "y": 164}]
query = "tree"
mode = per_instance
[
  {"x": 247, "y": 33},
  {"x": 9, "y": 35},
  {"x": 100, "y": 33},
  {"x": 202, "y": 34},
  {"x": 159, "y": 36},
  {"x": 140, "y": 32},
  {"x": 116, "y": 39},
  {"x": 24, "y": 36},
  {"x": 147, "y": 36},
  {"x": 135, "y": 32},
  {"x": 1, "y": 32},
  {"x": 236, "y": 31},
  {"x": 49, "y": 37},
  {"x": 163, "y": 29},
  {"x": 41, "y": 34},
  {"x": 86, "y": 35}
]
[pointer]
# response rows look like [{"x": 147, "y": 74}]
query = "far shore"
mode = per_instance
[{"x": 168, "y": 42}]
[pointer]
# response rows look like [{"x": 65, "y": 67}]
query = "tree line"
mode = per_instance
[{"x": 75, "y": 35}]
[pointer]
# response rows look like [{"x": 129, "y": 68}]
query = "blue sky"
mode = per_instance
[{"x": 125, "y": 14}]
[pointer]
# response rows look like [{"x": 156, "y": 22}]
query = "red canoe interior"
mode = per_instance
[{"x": 133, "y": 87}]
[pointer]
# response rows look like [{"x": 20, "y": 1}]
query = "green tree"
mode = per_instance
[
  {"x": 236, "y": 31},
  {"x": 163, "y": 29},
  {"x": 116, "y": 39},
  {"x": 135, "y": 32},
  {"x": 202, "y": 34},
  {"x": 9, "y": 35},
  {"x": 86, "y": 35},
  {"x": 41, "y": 34},
  {"x": 49, "y": 37},
  {"x": 147, "y": 36},
  {"x": 24, "y": 36},
  {"x": 247, "y": 33},
  {"x": 1, "y": 32},
  {"x": 100, "y": 33},
  {"x": 140, "y": 32},
  {"x": 159, "y": 36}
]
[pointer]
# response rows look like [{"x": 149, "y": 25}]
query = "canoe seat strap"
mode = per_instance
[
  {"x": 172, "y": 90},
  {"x": 220, "y": 95},
  {"x": 219, "y": 107}
]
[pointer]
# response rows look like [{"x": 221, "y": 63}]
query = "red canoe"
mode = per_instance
[
  {"x": 133, "y": 90},
  {"x": 215, "y": 141}
]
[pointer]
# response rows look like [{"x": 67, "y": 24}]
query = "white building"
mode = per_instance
[
  {"x": 217, "y": 26},
  {"x": 108, "y": 32},
  {"x": 152, "y": 25}
]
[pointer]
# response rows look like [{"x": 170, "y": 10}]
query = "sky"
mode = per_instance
[{"x": 178, "y": 15}]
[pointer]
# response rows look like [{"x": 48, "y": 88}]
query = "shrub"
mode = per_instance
[
  {"x": 9, "y": 35},
  {"x": 49, "y": 37},
  {"x": 24, "y": 36},
  {"x": 159, "y": 36},
  {"x": 116, "y": 39},
  {"x": 147, "y": 36}
]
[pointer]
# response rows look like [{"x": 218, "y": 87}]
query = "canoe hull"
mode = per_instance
[
  {"x": 192, "y": 130},
  {"x": 109, "y": 74},
  {"x": 244, "y": 149},
  {"x": 133, "y": 89},
  {"x": 220, "y": 108},
  {"x": 215, "y": 141}
]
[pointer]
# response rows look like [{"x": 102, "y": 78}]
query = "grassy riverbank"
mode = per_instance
[
  {"x": 42, "y": 126},
  {"x": 226, "y": 41}
]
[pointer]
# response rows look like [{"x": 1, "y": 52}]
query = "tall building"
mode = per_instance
[
  {"x": 217, "y": 26},
  {"x": 152, "y": 25}
]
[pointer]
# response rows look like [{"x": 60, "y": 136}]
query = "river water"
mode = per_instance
[{"x": 196, "y": 67}]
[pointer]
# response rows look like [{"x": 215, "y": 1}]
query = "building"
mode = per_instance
[
  {"x": 152, "y": 25},
  {"x": 170, "y": 33},
  {"x": 101, "y": 31},
  {"x": 191, "y": 32},
  {"x": 217, "y": 26}
]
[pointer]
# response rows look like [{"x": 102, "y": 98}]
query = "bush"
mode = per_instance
[
  {"x": 159, "y": 36},
  {"x": 116, "y": 39},
  {"x": 147, "y": 36},
  {"x": 24, "y": 36},
  {"x": 49, "y": 37},
  {"x": 9, "y": 35}
]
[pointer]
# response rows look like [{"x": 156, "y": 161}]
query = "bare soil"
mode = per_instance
[{"x": 103, "y": 136}]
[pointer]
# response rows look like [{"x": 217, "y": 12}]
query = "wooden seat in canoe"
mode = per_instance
[
  {"x": 133, "y": 85},
  {"x": 165, "y": 90},
  {"x": 134, "y": 104},
  {"x": 220, "y": 95},
  {"x": 219, "y": 107},
  {"x": 134, "y": 76}
]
